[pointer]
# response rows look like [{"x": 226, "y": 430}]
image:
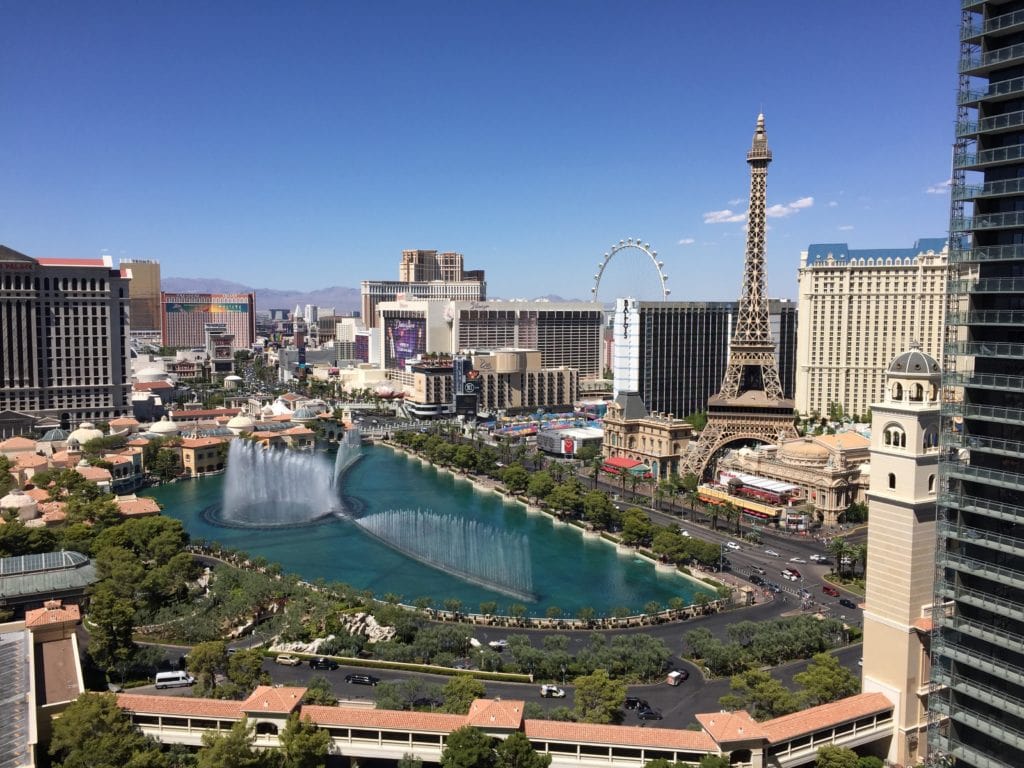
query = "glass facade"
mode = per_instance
[{"x": 977, "y": 693}]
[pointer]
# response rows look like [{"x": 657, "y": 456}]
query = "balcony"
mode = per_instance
[
  {"x": 968, "y": 535},
  {"x": 1008, "y": 220},
  {"x": 993, "y": 349},
  {"x": 994, "y": 665},
  {"x": 993, "y": 445},
  {"x": 1001, "y": 90},
  {"x": 990, "y": 158},
  {"x": 989, "y": 317},
  {"x": 996, "y": 477},
  {"x": 984, "y": 569},
  {"x": 984, "y": 412},
  {"x": 1008, "y": 22},
  {"x": 1007, "y": 640},
  {"x": 993, "y": 124},
  {"x": 981, "y": 63},
  {"x": 981, "y": 692},
  {"x": 985, "y": 253},
  {"x": 994, "y": 728},
  {"x": 1009, "y": 608},
  {"x": 975, "y": 756},
  {"x": 980, "y": 506}
]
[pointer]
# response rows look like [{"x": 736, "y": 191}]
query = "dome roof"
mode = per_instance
[
  {"x": 55, "y": 435},
  {"x": 804, "y": 449},
  {"x": 86, "y": 431},
  {"x": 17, "y": 499},
  {"x": 914, "y": 364},
  {"x": 164, "y": 427},
  {"x": 241, "y": 421},
  {"x": 305, "y": 413}
]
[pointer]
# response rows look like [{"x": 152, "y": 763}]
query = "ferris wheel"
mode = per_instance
[{"x": 632, "y": 244}]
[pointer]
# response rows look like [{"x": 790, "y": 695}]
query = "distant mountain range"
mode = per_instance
[{"x": 342, "y": 299}]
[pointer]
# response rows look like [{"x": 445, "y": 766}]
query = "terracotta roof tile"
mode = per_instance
[
  {"x": 124, "y": 421},
  {"x": 132, "y": 506},
  {"x": 847, "y": 440},
  {"x": 435, "y": 722},
  {"x": 496, "y": 713},
  {"x": 18, "y": 443},
  {"x": 726, "y": 727},
  {"x": 827, "y": 715},
  {"x": 139, "y": 441},
  {"x": 95, "y": 474},
  {"x": 202, "y": 442},
  {"x": 149, "y": 386},
  {"x": 179, "y": 705},
  {"x": 31, "y": 461},
  {"x": 299, "y": 431},
  {"x": 625, "y": 735},
  {"x": 52, "y": 614},
  {"x": 267, "y": 698},
  {"x": 924, "y": 624},
  {"x": 38, "y": 494}
]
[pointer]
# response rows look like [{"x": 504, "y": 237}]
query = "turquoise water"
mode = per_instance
[{"x": 568, "y": 570}]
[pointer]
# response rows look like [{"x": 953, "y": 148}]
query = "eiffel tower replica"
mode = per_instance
[{"x": 750, "y": 406}]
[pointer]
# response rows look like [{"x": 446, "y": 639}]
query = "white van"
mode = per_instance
[{"x": 174, "y": 679}]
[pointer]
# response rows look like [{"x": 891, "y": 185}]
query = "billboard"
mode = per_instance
[
  {"x": 404, "y": 339},
  {"x": 212, "y": 309}
]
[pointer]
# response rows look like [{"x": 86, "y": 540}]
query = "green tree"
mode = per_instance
[
  {"x": 233, "y": 749},
  {"x": 840, "y": 551},
  {"x": 599, "y": 510},
  {"x": 468, "y": 747},
  {"x": 94, "y": 731},
  {"x": 637, "y": 529},
  {"x": 515, "y": 478},
  {"x": 245, "y": 669},
  {"x": 540, "y": 485},
  {"x": 598, "y": 697},
  {"x": 713, "y": 761},
  {"x": 319, "y": 691},
  {"x": 760, "y": 694},
  {"x": 205, "y": 662},
  {"x": 825, "y": 680},
  {"x": 113, "y": 622},
  {"x": 835, "y": 757},
  {"x": 303, "y": 745},
  {"x": 870, "y": 761},
  {"x": 459, "y": 692},
  {"x": 410, "y": 760},
  {"x": 6, "y": 479},
  {"x": 516, "y": 751}
]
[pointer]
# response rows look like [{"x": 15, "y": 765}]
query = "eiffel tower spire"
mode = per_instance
[
  {"x": 750, "y": 406},
  {"x": 752, "y": 363}
]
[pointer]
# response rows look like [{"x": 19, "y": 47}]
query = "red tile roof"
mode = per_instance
[
  {"x": 924, "y": 624},
  {"x": 31, "y": 461},
  {"x": 149, "y": 386},
  {"x": 52, "y": 613},
  {"x": 624, "y": 735},
  {"x": 18, "y": 443},
  {"x": 725, "y": 727},
  {"x": 184, "y": 706},
  {"x": 267, "y": 698},
  {"x": 815, "y": 719},
  {"x": 202, "y": 442},
  {"x": 38, "y": 494},
  {"x": 95, "y": 474},
  {"x": 434, "y": 722},
  {"x": 132, "y": 506},
  {"x": 621, "y": 461},
  {"x": 496, "y": 713}
]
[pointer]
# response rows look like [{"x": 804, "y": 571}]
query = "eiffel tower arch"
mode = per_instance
[{"x": 751, "y": 404}]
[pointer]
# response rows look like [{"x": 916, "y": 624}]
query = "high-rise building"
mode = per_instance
[
  {"x": 674, "y": 353},
  {"x": 423, "y": 275},
  {"x": 901, "y": 546},
  {"x": 63, "y": 338},
  {"x": 858, "y": 310},
  {"x": 145, "y": 294},
  {"x": 978, "y": 645},
  {"x": 185, "y": 316}
]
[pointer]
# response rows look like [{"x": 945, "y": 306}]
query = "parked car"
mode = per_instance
[
  {"x": 828, "y": 589},
  {"x": 632, "y": 702},
  {"x": 321, "y": 663},
  {"x": 847, "y": 603},
  {"x": 361, "y": 679},
  {"x": 288, "y": 659},
  {"x": 677, "y": 677},
  {"x": 649, "y": 714},
  {"x": 552, "y": 692},
  {"x": 498, "y": 645},
  {"x": 772, "y": 553}
]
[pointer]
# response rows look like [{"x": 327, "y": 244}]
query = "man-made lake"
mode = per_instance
[{"x": 414, "y": 519}]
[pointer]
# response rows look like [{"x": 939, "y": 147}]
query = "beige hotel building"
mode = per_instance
[{"x": 857, "y": 310}]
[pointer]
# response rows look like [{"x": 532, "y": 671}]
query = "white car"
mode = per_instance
[
  {"x": 498, "y": 645},
  {"x": 772, "y": 553},
  {"x": 732, "y": 545},
  {"x": 288, "y": 660},
  {"x": 818, "y": 558},
  {"x": 552, "y": 692},
  {"x": 797, "y": 560}
]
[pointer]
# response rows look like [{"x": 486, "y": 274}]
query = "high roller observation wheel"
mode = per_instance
[{"x": 634, "y": 244}]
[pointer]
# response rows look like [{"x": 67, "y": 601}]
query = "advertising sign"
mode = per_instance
[{"x": 404, "y": 339}]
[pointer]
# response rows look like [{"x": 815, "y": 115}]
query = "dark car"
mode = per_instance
[
  {"x": 322, "y": 663},
  {"x": 361, "y": 679},
  {"x": 755, "y": 579},
  {"x": 847, "y": 603},
  {"x": 632, "y": 702},
  {"x": 649, "y": 714}
]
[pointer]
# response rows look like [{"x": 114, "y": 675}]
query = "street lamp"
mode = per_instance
[{"x": 563, "y": 674}]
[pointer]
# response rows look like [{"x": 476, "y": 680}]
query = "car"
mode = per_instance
[
  {"x": 847, "y": 603},
  {"x": 759, "y": 569},
  {"x": 361, "y": 679},
  {"x": 828, "y": 589},
  {"x": 732, "y": 545},
  {"x": 321, "y": 663},
  {"x": 797, "y": 560},
  {"x": 788, "y": 575},
  {"x": 649, "y": 714},
  {"x": 755, "y": 579},
  {"x": 288, "y": 659},
  {"x": 772, "y": 553},
  {"x": 818, "y": 559},
  {"x": 795, "y": 572},
  {"x": 632, "y": 702},
  {"x": 552, "y": 692},
  {"x": 677, "y": 677},
  {"x": 498, "y": 645}
]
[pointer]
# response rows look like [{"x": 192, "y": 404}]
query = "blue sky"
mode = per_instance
[{"x": 297, "y": 145}]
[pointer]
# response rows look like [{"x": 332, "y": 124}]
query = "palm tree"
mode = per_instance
[
  {"x": 859, "y": 554},
  {"x": 694, "y": 500},
  {"x": 840, "y": 550}
]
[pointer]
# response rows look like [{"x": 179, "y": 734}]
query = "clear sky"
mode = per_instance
[{"x": 304, "y": 144}]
